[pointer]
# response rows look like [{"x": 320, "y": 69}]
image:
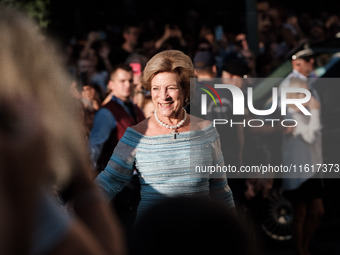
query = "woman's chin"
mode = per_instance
[{"x": 165, "y": 113}]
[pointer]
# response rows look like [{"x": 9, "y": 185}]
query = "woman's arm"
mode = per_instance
[{"x": 118, "y": 171}]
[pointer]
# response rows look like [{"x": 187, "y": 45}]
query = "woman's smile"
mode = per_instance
[{"x": 165, "y": 105}]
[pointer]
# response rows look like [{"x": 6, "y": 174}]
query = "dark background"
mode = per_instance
[{"x": 76, "y": 17}]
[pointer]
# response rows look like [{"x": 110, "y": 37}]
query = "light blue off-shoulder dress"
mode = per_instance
[{"x": 167, "y": 166}]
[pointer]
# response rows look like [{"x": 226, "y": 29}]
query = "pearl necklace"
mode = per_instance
[{"x": 169, "y": 126}]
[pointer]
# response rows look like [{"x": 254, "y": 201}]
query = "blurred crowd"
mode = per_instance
[
  {"x": 91, "y": 57},
  {"x": 101, "y": 63}
]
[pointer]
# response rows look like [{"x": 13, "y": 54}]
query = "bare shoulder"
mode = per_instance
[
  {"x": 142, "y": 126},
  {"x": 198, "y": 123}
]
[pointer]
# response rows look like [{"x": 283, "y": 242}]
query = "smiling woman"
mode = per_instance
[
  {"x": 168, "y": 98},
  {"x": 166, "y": 95},
  {"x": 164, "y": 161},
  {"x": 167, "y": 75}
]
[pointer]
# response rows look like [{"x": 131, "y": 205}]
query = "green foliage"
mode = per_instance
[{"x": 36, "y": 9}]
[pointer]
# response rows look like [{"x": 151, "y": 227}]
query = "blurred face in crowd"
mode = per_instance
[
  {"x": 167, "y": 95},
  {"x": 121, "y": 83},
  {"x": 131, "y": 35},
  {"x": 241, "y": 39},
  {"x": 232, "y": 79},
  {"x": 88, "y": 92},
  {"x": 304, "y": 67},
  {"x": 137, "y": 73},
  {"x": 85, "y": 66}
]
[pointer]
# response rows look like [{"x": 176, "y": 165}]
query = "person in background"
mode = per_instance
[
  {"x": 130, "y": 36},
  {"x": 140, "y": 97},
  {"x": 303, "y": 67},
  {"x": 97, "y": 49},
  {"x": 87, "y": 70},
  {"x": 91, "y": 99},
  {"x": 207, "y": 34},
  {"x": 205, "y": 71},
  {"x": 172, "y": 38},
  {"x": 91, "y": 96},
  {"x": 204, "y": 64},
  {"x": 302, "y": 145},
  {"x": 243, "y": 52},
  {"x": 317, "y": 32},
  {"x": 292, "y": 32},
  {"x": 236, "y": 70},
  {"x": 111, "y": 121},
  {"x": 43, "y": 151}
]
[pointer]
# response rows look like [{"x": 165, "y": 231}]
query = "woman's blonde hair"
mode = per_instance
[
  {"x": 170, "y": 61},
  {"x": 31, "y": 71}
]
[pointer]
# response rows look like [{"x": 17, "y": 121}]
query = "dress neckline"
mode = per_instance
[{"x": 181, "y": 134}]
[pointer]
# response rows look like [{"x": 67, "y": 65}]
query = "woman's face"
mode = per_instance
[{"x": 167, "y": 95}]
